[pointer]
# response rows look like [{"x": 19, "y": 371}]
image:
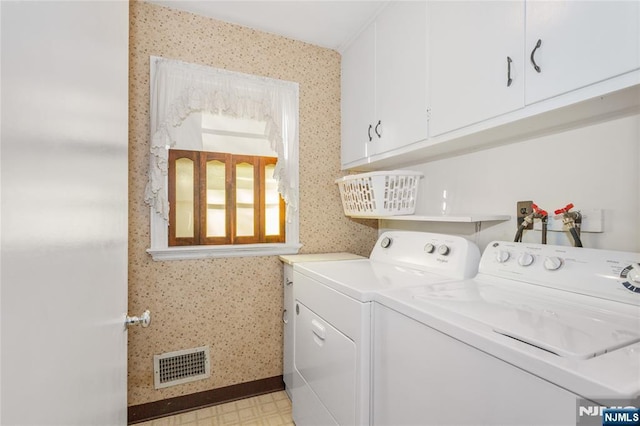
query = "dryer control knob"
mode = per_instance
[
  {"x": 525, "y": 259},
  {"x": 429, "y": 248},
  {"x": 444, "y": 250},
  {"x": 502, "y": 256},
  {"x": 552, "y": 263}
]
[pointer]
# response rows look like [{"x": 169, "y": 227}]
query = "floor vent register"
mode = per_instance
[{"x": 175, "y": 368}]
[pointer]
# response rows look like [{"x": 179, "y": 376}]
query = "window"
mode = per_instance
[
  {"x": 220, "y": 198},
  {"x": 223, "y": 177}
]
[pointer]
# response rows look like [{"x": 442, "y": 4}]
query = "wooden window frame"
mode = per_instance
[
  {"x": 175, "y": 155},
  {"x": 200, "y": 159},
  {"x": 280, "y": 238},
  {"x": 205, "y": 157}
]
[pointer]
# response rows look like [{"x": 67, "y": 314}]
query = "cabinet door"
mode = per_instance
[
  {"x": 401, "y": 75},
  {"x": 287, "y": 319},
  {"x": 358, "y": 110},
  {"x": 473, "y": 47},
  {"x": 582, "y": 42}
]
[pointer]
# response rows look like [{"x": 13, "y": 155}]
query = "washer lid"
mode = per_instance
[
  {"x": 563, "y": 323},
  {"x": 361, "y": 279}
]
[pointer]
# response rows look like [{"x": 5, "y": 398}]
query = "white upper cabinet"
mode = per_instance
[
  {"x": 581, "y": 43},
  {"x": 384, "y": 84},
  {"x": 476, "y": 61},
  {"x": 546, "y": 48},
  {"x": 401, "y": 74},
  {"x": 488, "y": 72},
  {"x": 358, "y": 97}
]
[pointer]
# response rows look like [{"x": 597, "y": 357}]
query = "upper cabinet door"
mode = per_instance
[
  {"x": 476, "y": 61},
  {"x": 358, "y": 97},
  {"x": 401, "y": 74},
  {"x": 581, "y": 43}
]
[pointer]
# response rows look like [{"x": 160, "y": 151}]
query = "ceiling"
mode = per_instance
[{"x": 330, "y": 24}]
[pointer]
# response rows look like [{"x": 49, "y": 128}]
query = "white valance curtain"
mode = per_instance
[{"x": 179, "y": 88}]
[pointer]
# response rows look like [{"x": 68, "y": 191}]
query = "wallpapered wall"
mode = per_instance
[{"x": 234, "y": 305}]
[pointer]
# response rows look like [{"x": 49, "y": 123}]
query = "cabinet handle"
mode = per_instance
[
  {"x": 533, "y": 52},
  {"x": 369, "y": 132},
  {"x": 376, "y": 129},
  {"x": 509, "y": 80}
]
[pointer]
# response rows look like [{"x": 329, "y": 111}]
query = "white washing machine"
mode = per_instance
[
  {"x": 332, "y": 356},
  {"x": 539, "y": 331}
]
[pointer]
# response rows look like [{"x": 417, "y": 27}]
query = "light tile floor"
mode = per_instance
[{"x": 272, "y": 409}]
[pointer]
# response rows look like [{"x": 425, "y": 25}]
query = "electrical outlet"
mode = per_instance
[{"x": 524, "y": 208}]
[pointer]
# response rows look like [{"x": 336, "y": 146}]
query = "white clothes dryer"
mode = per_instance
[{"x": 332, "y": 356}]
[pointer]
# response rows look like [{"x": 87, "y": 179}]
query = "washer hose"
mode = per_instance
[
  {"x": 525, "y": 222},
  {"x": 570, "y": 219},
  {"x": 577, "y": 242}
]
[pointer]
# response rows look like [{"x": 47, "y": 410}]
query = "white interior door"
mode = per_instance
[{"x": 64, "y": 212}]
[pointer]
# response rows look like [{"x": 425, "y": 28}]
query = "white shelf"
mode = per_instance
[{"x": 460, "y": 218}]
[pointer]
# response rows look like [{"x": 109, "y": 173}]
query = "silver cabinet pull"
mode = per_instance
[
  {"x": 144, "y": 320},
  {"x": 288, "y": 281},
  {"x": 509, "y": 80},
  {"x": 285, "y": 317}
]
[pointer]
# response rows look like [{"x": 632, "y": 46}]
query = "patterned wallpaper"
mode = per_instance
[{"x": 234, "y": 305}]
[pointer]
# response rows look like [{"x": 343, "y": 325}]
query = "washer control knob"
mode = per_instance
[
  {"x": 386, "y": 242},
  {"x": 552, "y": 263},
  {"x": 429, "y": 248},
  {"x": 525, "y": 259},
  {"x": 502, "y": 256},
  {"x": 633, "y": 276},
  {"x": 444, "y": 250}
]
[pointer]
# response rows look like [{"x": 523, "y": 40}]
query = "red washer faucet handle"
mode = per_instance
[
  {"x": 565, "y": 209},
  {"x": 538, "y": 210}
]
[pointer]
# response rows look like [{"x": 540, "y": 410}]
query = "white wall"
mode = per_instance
[{"x": 593, "y": 167}]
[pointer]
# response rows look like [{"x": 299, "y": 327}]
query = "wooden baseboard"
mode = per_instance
[{"x": 180, "y": 404}]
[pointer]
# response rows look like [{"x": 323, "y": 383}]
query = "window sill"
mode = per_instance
[{"x": 206, "y": 252}]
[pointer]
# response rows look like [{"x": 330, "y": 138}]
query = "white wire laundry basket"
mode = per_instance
[{"x": 384, "y": 193}]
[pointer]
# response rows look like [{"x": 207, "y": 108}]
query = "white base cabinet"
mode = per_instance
[{"x": 287, "y": 335}]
